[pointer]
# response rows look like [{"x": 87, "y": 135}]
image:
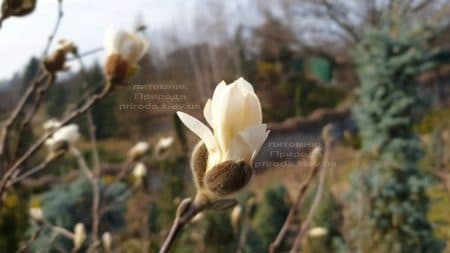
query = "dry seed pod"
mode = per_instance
[
  {"x": 199, "y": 159},
  {"x": 57, "y": 60},
  {"x": 228, "y": 177},
  {"x": 17, "y": 8}
]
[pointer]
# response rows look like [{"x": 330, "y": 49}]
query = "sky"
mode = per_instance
[{"x": 84, "y": 22}]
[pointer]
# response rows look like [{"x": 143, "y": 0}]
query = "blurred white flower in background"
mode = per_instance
[
  {"x": 123, "y": 51},
  {"x": 51, "y": 124},
  {"x": 79, "y": 236},
  {"x": 317, "y": 232},
  {"x": 36, "y": 213},
  {"x": 138, "y": 150},
  {"x": 235, "y": 115},
  {"x": 107, "y": 241},
  {"x": 63, "y": 137},
  {"x": 164, "y": 142},
  {"x": 139, "y": 171}
]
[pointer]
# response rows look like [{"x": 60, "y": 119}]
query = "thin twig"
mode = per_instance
[
  {"x": 293, "y": 212},
  {"x": 36, "y": 169},
  {"x": 25, "y": 248},
  {"x": 35, "y": 147},
  {"x": 16, "y": 112},
  {"x": 314, "y": 205},
  {"x": 96, "y": 158},
  {"x": 188, "y": 209},
  {"x": 35, "y": 106},
  {"x": 244, "y": 229},
  {"x": 52, "y": 35},
  {"x": 87, "y": 53}
]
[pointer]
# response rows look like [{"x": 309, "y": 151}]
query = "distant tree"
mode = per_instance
[{"x": 393, "y": 186}]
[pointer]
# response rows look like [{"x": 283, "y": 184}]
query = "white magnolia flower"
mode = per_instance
[
  {"x": 36, "y": 213},
  {"x": 234, "y": 114},
  {"x": 79, "y": 236},
  {"x": 51, "y": 124},
  {"x": 67, "y": 134},
  {"x": 130, "y": 46},
  {"x": 138, "y": 150},
  {"x": 107, "y": 241},
  {"x": 139, "y": 171},
  {"x": 317, "y": 232}
]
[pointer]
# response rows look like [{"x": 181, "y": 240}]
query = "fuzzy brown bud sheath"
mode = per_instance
[
  {"x": 123, "y": 51},
  {"x": 116, "y": 68},
  {"x": 199, "y": 159},
  {"x": 228, "y": 177}
]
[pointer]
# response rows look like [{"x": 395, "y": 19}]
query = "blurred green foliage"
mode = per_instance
[
  {"x": 395, "y": 205},
  {"x": 13, "y": 222},
  {"x": 67, "y": 205},
  {"x": 271, "y": 213}
]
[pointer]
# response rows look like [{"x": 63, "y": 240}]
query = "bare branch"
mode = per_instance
[
  {"x": 15, "y": 114},
  {"x": 293, "y": 212},
  {"x": 35, "y": 147},
  {"x": 55, "y": 28}
]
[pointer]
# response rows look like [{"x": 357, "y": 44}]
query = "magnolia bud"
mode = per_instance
[
  {"x": 138, "y": 151},
  {"x": 139, "y": 171},
  {"x": 228, "y": 177},
  {"x": 316, "y": 157},
  {"x": 317, "y": 232},
  {"x": 199, "y": 159},
  {"x": 107, "y": 241},
  {"x": 198, "y": 217},
  {"x": 36, "y": 213},
  {"x": 235, "y": 217},
  {"x": 327, "y": 132},
  {"x": 79, "y": 236}
]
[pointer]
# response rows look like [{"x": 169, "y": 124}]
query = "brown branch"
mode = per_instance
[
  {"x": 293, "y": 212},
  {"x": 15, "y": 114},
  {"x": 188, "y": 209},
  {"x": 344, "y": 26},
  {"x": 313, "y": 208},
  {"x": 36, "y": 169},
  {"x": 35, "y": 147},
  {"x": 96, "y": 158},
  {"x": 87, "y": 53},
  {"x": 27, "y": 120}
]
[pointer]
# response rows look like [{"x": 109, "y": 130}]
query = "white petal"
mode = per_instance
[
  {"x": 251, "y": 110},
  {"x": 244, "y": 85},
  {"x": 229, "y": 113},
  {"x": 113, "y": 40},
  {"x": 216, "y": 98},
  {"x": 207, "y": 112},
  {"x": 200, "y": 129},
  {"x": 239, "y": 150},
  {"x": 255, "y": 137}
]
